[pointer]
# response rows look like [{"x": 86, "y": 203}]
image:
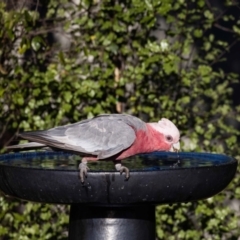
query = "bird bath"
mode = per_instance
[{"x": 107, "y": 206}]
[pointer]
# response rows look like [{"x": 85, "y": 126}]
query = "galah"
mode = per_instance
[{"x": 108, "y": 136}]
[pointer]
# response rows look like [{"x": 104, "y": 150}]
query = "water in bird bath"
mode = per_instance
[{"x": 144, "y": 162}]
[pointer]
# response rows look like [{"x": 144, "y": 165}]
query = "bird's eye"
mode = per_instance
[{"x": 169, "y": 138}]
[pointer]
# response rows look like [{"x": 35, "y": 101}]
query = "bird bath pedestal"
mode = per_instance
[{"x": 106, "y": 206}]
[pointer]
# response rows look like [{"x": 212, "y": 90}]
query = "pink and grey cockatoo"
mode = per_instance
[{"x": 108, "y": 136}]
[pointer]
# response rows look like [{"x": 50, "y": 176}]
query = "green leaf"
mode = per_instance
[{"x": 36, "y": 43}]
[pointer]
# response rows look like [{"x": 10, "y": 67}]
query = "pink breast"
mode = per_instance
[{"x": 146, "y": 142}]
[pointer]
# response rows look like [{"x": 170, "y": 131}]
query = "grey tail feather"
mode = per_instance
[
  {"x": 24, "y": 135},
  {"x": 39, "y": 136},
  {"x": 27, "y": 145}
]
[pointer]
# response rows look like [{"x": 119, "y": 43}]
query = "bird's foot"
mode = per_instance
[
  {"x": 119, "y": 167},
  {"x": 83, "y": 170}
]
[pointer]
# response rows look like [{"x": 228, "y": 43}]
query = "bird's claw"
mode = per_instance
[
  {"x": 122, "y": 169},
  {"x": 83, "y": 171},
  {"x": 126, "y": 170}
]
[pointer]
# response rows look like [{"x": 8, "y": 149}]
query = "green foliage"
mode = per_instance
[
  {"x": 28, "y": 221},
  {"x": 166, "y": 69}
]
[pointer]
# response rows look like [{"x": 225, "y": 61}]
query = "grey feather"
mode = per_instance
[
  {"x": 27, "y": 145},
  {"x": 104, "y": 136}
]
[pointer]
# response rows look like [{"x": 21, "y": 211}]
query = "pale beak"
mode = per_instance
[{"x": 175, "y": 147}]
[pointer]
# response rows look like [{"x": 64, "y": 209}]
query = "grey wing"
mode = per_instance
[{"x": 103, "y": 137}]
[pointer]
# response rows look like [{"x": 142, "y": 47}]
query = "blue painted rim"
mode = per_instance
[{"x": 218, "y": 159}]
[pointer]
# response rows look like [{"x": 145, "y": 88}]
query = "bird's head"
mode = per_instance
[{"x": 170, "y": 132}]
